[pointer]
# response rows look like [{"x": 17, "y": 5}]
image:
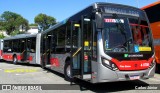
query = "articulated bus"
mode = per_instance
[
  {"x": 154, "y": 19},
  {"x": 22, "y": 48},
  {"x": 102, "y": 43}
]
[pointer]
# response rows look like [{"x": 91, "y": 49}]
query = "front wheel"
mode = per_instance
[
  {"x": 67, "y": 72},
  {"x": 15, "y": 60}
]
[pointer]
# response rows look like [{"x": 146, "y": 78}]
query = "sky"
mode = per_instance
[{"x": 59, "y": 9}]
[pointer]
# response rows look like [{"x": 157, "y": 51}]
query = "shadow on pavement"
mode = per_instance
[{"x": 110, "y": 86}]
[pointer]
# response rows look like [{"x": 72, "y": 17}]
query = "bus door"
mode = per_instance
[
  {"x": 23, "y": 50},
  {"x": 81, "y": 49},
  {"x": 47, "y": 49},
  {"x": 28, "y": 49}
]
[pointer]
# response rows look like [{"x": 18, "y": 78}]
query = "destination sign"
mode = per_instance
[
  {"x": 121, "y": 11},
  {"x": 124, "y": 10}
]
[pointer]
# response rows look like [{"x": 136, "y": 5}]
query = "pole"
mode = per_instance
[{"x": 138, "y": 3}]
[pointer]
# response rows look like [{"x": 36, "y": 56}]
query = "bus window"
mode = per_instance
[
  {"x": 68, "y": 33},
  {"x": 145, "y": 36},
  {"x": 6, "y": 46},
  {"x": 58, "y": 40},
  {"x": 61, "y": 36},
  {"x": 137, "y": 35},
  {"x": 33, "y": 45},
  {"x": 140, "y": 32},
  {"x": 87, "y": 35},
  {"x": 16, "y": 46},
  {"x": 22, "y": 45},
  {"x": 54, "y": 42},
  {"x": 28, "y": 45},
  {"x": 76, "y": 38}
]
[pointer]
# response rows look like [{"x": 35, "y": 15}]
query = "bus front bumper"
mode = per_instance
[{"x": 106, "y": 75}]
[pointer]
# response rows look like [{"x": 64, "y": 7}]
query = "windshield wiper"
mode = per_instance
[
  {"x": 122, "y": 29},
  {"x": 120, "y": 25}
]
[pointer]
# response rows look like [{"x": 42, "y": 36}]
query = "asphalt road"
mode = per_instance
[{"x": 23, "y": 74}]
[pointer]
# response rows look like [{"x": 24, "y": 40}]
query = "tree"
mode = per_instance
[
  {"x": 23, "y": 23},
  {"x": 2, "y": 36},
  {"x": 10, "y": 22},
  {"x": 44, "y": 21},
  {"x": 33, "y": 24}
]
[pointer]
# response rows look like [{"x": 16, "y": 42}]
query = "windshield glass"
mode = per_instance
[
  {"x": 126, "y": 35},
  {"x": 140, "y": 32},
  {"x": 116, "y": 34}
]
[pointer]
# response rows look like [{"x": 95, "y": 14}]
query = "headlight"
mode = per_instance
[{"x": 109, "y": 64}]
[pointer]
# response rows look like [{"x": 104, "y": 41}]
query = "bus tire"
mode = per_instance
[
  {"x": 15, "y": 59},
  {"x": 67, "y": 72},
  {"x": 42, "y": 65}
]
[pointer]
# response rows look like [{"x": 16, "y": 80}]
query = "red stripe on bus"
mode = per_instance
[
  {"x": 133, "y": 65},
  {"x": 54, "y": 62},
  {"x": 1, "y": 52},
  {"x": 7, "y": 57},
  {"x": 19, "y": 57},
  {"x": 30, "y": 58}
]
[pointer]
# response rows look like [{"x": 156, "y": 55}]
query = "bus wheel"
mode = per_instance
[
  {"x": 42, "y": 65},
  {"x": 67, "y": 72},
  {"x": 15, "y": 60}
]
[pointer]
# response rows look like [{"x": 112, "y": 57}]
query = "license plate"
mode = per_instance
[{"x": 134, "y": 77}]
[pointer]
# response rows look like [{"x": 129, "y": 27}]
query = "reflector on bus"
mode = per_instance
[
  {"x": 87, "y": 19},
  {"x": 77, "y": 25}
]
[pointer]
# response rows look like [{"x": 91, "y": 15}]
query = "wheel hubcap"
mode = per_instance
[
  {"x": 15, "y": 59},
  {"x": 68, "y": 71}
]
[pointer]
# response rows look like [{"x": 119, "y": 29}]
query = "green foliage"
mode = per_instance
[
  {"x": 10, "y": 22},
  {"x": 44, "y": 21},
  {"x": 33, "y": 24},
  {"x": 2, "y": 36},
  {"x": 14, "y": 32}
]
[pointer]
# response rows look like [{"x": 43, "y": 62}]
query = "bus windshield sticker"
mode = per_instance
[
  {"x": 86, "y": 43},
  {"x": 125, "y": 55},
  {"x": 145, "y": 49},
  {"x": 110, "y": 20},
  {"x": 136, "y": 48}
]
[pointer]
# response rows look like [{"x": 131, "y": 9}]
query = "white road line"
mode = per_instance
[{"x": 18, "y": 74}]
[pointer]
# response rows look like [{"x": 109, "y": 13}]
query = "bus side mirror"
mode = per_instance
[{"x": 99, "y": 21}]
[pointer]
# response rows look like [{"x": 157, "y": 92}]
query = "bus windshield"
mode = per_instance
[{"x": 126, "y": 35}]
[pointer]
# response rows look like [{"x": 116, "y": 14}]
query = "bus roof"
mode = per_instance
[
  {"x": 20, "y": 36},
  {"x": 150, "y": 5},
  {"x": 92, "y": 6}
]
